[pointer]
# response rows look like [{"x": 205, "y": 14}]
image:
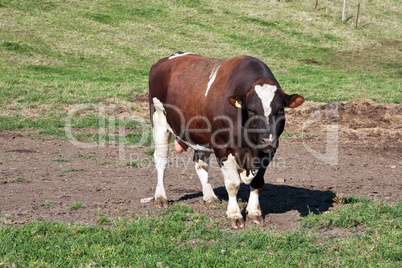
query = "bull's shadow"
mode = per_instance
[{"x": 280, "y": 198}]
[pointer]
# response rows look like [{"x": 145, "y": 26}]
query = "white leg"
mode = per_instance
[
  {"x": 232, "y": 184},
  {"x": 247, "y": 179},
  {"x": 161, "y": 139},
  {"x": 253, "y": 207},
  {"x": 201, "y": 168}
]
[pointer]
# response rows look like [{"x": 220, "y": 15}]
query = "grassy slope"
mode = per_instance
[{"x": 91, "y": 51}]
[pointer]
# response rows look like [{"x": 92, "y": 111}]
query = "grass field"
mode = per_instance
[
  {"x": 57, "y": 55},
  {"x": 69, "y": 52},
  {"x": 362, "y": 234}
]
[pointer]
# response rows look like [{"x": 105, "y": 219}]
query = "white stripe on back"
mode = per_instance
[
  {"x": 212, "y": 78},
  {"x": 175, "y": 55}
]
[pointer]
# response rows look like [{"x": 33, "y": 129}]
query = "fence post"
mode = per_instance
[
  {"x": 357, "y": 17},
  {"x": 343, "y": 11}
]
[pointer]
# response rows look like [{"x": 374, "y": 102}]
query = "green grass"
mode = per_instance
[
  {"x": 17, "y": 179},
  {"x": 140, "y": 163},
  {"x": 102, "y": 163},
  {"x": 178, "y": 236},
  {"x": 359, "y": 213},
  {"x": 59, "y": 160},
  {"x": 47, "y": 204},
  {"x": 150, "y": 152},
  {"x": 72, "y": 169},
  {"x": 76, "y": 205},
  {"x": 13, "y": 158},
  {"x": 86, "y": 128},
  {"x": 94, "y": 158},
  {"x": 7, "y": 217},
  {"x": 102, "y": 219},
  {"x": 286, "y": 135},
  {"x": 88, "y": 156}
]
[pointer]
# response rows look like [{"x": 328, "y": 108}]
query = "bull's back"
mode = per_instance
[
  {"x": 180, "y": 78},
  {"x": 180, "y": 83}
]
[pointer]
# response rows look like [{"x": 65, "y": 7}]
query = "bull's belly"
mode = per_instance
[{"x": 196, "y": 147}]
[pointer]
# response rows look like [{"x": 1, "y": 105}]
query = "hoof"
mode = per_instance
[
  {"x": 237, "y": 223},
  {"x": 161, "y": 203},
  {"x": 257, "y": 219},
  {"x": 212, "y": 201}
]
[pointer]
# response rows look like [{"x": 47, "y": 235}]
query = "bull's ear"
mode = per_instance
[
  {"x": 236, "y": 102},
  {"x": 294, "y": 100}
]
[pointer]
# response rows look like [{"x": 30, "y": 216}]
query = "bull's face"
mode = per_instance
[{"x": 263, "y": 115}]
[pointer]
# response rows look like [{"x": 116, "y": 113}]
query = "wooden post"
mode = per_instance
[
  {"x": 316, "y": 4},
  {"x": 343, "y": 11},
  {"x": 358, "y": 10}
]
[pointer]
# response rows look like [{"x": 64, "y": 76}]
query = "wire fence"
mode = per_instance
[{"x": 355, "y": 12}]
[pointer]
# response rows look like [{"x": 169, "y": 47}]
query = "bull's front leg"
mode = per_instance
[
  {"x": 253, "y": 207},
  {"x": 232, "y": 184},
  {"x": 256, "y": 182}
]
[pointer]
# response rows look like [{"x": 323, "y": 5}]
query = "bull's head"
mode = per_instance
[{"x": 263, "y": 116}]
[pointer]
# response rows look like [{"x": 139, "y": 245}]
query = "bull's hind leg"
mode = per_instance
[
  {"x": 201, "y": 161},
  {"x": 161, "y": 140}
]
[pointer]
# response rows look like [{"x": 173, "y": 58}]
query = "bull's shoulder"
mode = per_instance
[
  {"x": 246, "y": 58},
  {"x": 244, "y": 64}
]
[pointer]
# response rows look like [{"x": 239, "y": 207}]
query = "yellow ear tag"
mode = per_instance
[{"x": 237, "y": 104}]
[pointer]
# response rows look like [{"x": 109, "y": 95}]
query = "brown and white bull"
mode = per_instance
[{"x": 233, "y": 108}]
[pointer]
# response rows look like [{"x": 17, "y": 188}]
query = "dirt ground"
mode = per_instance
[{"x": 348, "y": 148}]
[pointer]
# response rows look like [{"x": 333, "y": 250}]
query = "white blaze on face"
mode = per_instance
[{"x": 266, "y": 93}]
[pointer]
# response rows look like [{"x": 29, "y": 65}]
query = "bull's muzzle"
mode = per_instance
[{"x": 269, "y": 143}]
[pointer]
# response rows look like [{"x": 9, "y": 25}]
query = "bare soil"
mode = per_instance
[{"x": 348, "y": 148}]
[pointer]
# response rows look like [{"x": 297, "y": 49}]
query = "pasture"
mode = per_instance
[{"x": 76, "y": 145}]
